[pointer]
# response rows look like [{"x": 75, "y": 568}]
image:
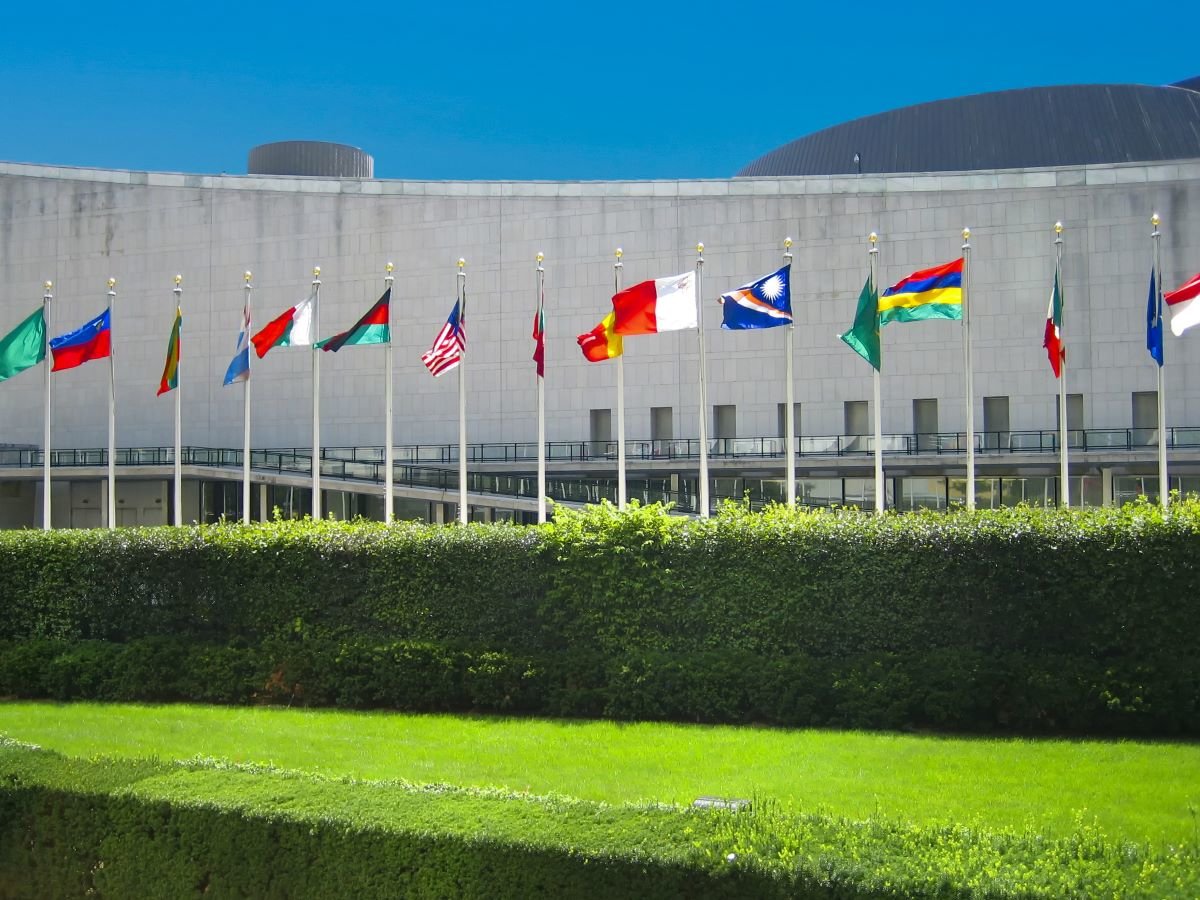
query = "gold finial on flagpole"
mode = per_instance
[
  {"x": 178, "y": 290},
  {"x": 48, "y": 285},
  {"x": 700, "y": 250},
  {"x": 316, "y": 274},
  {"x": 540, "y": 256},
  {"x": 1154, "y": 220},
  {"x": 872, "y": 237},
  {"x": 112, "y": 283},
  {"x": 389, "y": 278},
  {"x": 461, "y": 262},
  {"x": 966, "y": 234},
  {"x": 619, "y": 253},
  {"x": 1058, "y": 227},
  {"x": 246, "y": 278}
]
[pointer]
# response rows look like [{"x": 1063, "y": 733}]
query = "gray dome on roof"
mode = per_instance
[{"x": 1068, "y": 125}]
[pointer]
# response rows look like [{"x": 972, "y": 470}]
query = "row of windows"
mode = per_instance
[{"x": 857, "y": 419}]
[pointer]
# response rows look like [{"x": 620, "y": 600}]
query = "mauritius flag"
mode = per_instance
[
  {"x": 928, "y": 294},
  {"x": 372, "y": 328},
  {"x": 170, "y": 375}
]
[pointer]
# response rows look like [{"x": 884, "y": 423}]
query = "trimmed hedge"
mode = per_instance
[
  {"x": 74, "y": 828},
  {"x": 1022, "y": 619}
]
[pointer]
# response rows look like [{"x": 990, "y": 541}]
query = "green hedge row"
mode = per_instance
[
  {"x": 1035, "y": 619},
  {"x": 75, "y": 828}
]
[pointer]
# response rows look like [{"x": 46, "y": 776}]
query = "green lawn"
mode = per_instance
[{"x": 1136, "y": 791}]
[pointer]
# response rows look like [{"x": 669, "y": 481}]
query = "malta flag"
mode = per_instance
[
  {"x": 664, "y": 304},
  {"x": 292, "y": 329},
  {"x": 1053, "y": 337},
  {"x": 1184, "y": 304}
]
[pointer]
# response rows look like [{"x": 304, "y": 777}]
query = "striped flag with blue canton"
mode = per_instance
[
  {"x": 760, "y": 304},
  {"x": 449, "y": 345}
]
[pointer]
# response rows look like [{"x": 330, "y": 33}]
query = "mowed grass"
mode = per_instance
[{"x": 1138, "y": 791}]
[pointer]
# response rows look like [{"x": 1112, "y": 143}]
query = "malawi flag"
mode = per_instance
[
  {"x": 373, "y": 328},
  {"x": 295, "y": 328},
  {"x": 170, "y": 375},
  {"x": 23, "y": 347},
  {"x": 1054, "y": 320},
  {"x": 91, "y": 341}
]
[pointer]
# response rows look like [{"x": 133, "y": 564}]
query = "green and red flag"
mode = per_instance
[
  {"x": 1054, "y": 320},
  {"x": 372, "y": 328},
  {"x": 170, "y": 375},
  {"x": 539, "y": 334}
]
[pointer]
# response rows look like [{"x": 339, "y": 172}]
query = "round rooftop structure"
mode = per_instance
[
  {"x": 1068, "y": 125},
  {"x": 319, "y": 159}
]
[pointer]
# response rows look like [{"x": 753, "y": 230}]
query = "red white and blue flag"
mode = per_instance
[
  {"x": 449, "y": 345},
  {"x": 92, "y": 341},
  {"x": 765, "y": 303},
  {"x": 1184, "y": 304}
]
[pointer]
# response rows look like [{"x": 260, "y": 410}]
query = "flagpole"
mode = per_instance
[
  {"x": 47, "y": 359},
  {"x": 876, "y": 389},
  {"x": 704, "y": 501},
  {"x": 463, "y": 509},
  {"x": 112, "y": 409},
  {"x": 541, "y": 393},
  {"x": 316, "y": 397},
  {"x": 617, "y": 267},
  {"x": 789, "y": 413},
  {"x": 246, "y": 410},
  {"x": 1063, "y": 466},
  {"x": 388, "y": 451},
  {"x": 178, "y": 411},
  {"x": 966, "y": 312},
  {"x": 1164, "y": 486}
]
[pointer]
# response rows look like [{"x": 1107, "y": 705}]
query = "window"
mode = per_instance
[
  {"x": 995, "y": 423},
  {"x": 782, "y": 414},
  {"x": 600, "y": 430},
  {"x": 925, "y": 424},
  {"x": 857, "y": 425},
  {"x": 725, "y": 422},
  {"x": 662, "y": 430},
  {"x": 1074, "y": 419},
  {"x": 1145, "y": 417}
]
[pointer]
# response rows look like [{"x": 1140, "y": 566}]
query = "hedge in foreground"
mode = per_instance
[
  {"x": 1029, "y": 619},
  {"x": 70, "y": 828}
]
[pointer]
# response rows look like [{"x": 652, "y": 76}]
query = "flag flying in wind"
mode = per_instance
[
  {"x": 372, "y": 328},
  {"x": 1054, "y": 319},
  {"x": 863, "y": 336},
  {"x": 1184, "y": 303},
  {"x": 295, "y": 328},
  {"x": 664, "y": 304},
  {"x": 91, "y": 341},
  {"x": 602, "y": 342},
  {"x": 239, "y": 366},
  {"x": 1154, "y": 333},
  {"x": 449, "y": 345},
  {"x": 760, "y": 304},
  {"x": 23, "y": 347},
  {"x": 170, "y": 375},
  {"x": 539, "y": 333},
  {"x": 929, "y": 294}
]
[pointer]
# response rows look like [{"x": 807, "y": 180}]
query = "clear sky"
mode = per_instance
[{"x": 465, "y": 90}]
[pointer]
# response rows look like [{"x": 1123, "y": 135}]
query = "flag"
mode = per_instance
[
  {"x": 1054, "y": 317},
  {"x": 1184, "y": 303},
  {"x": 372, "y": 328},
  {"x": 170, "y": 375},
  {"x": 91, "y": 341},
  {"x": 23, "y": 347},
  {"x": 929, "y": 294},
  {"x": 295, "y": 328},
  {"x": 664, "y": 304},
  {"x": 760, "y": 304},
  {"x": 1154, "y": 335},
  {"x": 602, "y": 342},
  {"x": 239, "y": 366},
  {"x": 863, "y": 336},
  {"x": 448, "y": 347},
  {"x": 539, "y": 333}
]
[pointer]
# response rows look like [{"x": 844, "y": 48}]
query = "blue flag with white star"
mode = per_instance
[
  {"x": 1154, "y": 330},
  {"x": 760, "y": 304}
]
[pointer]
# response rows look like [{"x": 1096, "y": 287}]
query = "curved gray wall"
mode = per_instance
[{"x": 319, "y": 159}]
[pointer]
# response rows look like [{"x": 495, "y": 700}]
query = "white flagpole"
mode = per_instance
[
  {"x": 178, "y": 494},
  {"x": 112, "y": 408},
  {"x": 541, "y": 392},
  {"x": 876, "y": 389},
  {"x": 389, "y": 455},
  {"x": 246, "y": 409},
  {"x": 789, "y": 413},
  {"x": 1063, "y": 465},
  {"x": 316, "y": 397},
  {"x": 464, "y": 511},
  {"x": 704, "y": 501},
  {"x": 47, "y": 360},
  {"x": 966, "y": 318},
  {"x": 617, "y": 267},
  {"x": 1164, "y": 486}
]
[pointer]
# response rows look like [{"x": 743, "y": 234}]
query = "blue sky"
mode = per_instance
[{"x": 442, "y": 90}]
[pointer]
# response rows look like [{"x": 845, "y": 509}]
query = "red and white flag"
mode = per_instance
[
  {"x": 448, "y": 347},
  {"x": 1184, "y": 304},
  {"x": 664, "y": 304}
]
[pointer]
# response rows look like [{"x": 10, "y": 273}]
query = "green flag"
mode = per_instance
[
  {"x": 23, "y": 347},
  {"x": 863, "y": 336}
]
